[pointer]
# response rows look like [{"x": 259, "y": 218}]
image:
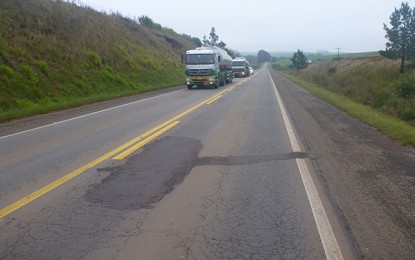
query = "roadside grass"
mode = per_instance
[
  {"x": 394, "y": 128},
  {"x": 27, "y": 108},
  {"x": 372, "y": 81}
]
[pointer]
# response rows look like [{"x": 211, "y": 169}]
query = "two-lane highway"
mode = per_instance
[
  {"x": 189, "y": 174},
  {"x": 59, "y": 148}
]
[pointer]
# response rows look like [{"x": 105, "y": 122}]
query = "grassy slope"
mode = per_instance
[
  {"x": 366, "y": 89},
  {"x": 55, "y": 55},
  {"x": 368, "y": 80}
]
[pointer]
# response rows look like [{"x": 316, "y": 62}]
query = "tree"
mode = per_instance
[
  {"x": 401, "y": 35},
  {"x": 232, "y": 53},
  {"x": 221, "y": 45},
  {"x": 263, "y": 56},
  {"x": 213, "y": 39},
  {"x": 205, "y": 41},
  {"x": 299, "y": 60},
  {"x": 149, "y": 23},
  {"x": 196, "y": 41},
  {"x": 145, "y": 20},
  {"x": 251, "y": 59}
]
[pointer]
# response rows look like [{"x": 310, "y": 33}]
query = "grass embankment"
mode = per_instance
[
  {"x": 369, "y": 89},
  {"x": 55, "y": 55}
]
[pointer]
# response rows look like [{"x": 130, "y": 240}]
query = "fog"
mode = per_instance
[{"x": 272, "y": 25}]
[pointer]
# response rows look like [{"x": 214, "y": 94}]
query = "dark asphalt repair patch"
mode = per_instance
[
  {"x": 146, "y": 177},
  {"x": 248, "y": 159}
]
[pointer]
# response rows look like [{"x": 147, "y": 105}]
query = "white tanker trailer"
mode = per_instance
[{"x": 208, "y": 66}]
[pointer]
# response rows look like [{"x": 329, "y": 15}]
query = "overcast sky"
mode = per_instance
[{"x": 271, "y": 25}]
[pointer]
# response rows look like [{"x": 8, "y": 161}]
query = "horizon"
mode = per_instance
[{"x": 357, "y": 28}]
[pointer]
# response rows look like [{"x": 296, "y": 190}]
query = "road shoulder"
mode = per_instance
[
  {"x": 28, "y": 123},
  {"x": 369, "y": 178}
]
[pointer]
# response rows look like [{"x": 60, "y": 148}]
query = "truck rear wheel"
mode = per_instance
[
  {"x": 222, "y": 82},
  {"x": 229, "y": 79}
]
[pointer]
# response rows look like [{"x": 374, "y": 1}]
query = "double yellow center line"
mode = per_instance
[
  {"x": 145, "y": 141},
  {"x": 118, "y": 153}
]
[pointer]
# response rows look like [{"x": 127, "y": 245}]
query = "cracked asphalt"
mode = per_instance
[{"x": 223, "y": 184}]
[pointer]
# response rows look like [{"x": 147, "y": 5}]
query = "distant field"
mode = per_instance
[
  {"x": 313, "y": 56},
  {"x": 284, "y": 57},
  {"x": 343, "y": 55},
  {"x": 285, "y": 61}
]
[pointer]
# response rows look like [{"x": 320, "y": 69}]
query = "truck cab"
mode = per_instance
[
  {"x": 240, "y": 67},
  {"x": 207, "y": 66}
]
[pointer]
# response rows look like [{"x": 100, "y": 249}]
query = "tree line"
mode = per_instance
[{"x": 149, "y": 23}]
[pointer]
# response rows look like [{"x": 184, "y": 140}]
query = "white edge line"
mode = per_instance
[
  {"x": 90, "y": 114},
  {"x": 325, "y": 231}
]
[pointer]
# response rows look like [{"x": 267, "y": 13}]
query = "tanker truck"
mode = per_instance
[
  {"x": 207, "y": 66},
  {"x": 240, "y": 67}
]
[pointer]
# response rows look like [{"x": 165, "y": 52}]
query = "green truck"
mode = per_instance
[
  {"x": 240, "y": 67},
  {"x": 207, "y": 66}
]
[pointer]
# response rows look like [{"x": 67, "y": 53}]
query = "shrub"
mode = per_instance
[
  {"x": 332, "y": 70},
  {"x": 6, "y": 71},
  {"x": 276, "y": 66},
  {"x": 93, "y": 59},
  {"x": 26, "y": 70},
  {"x": 320, "y": 80},
  {"x": 408, "y": 114},
  {"x": 42, "y": 66},
  {"x": 381, "y": 97},
  {"x": 24, "y": 104},
  {"x": 406, "y": 86},
  {"x": 5, "y": 103}
]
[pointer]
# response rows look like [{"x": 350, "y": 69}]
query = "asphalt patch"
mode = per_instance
[
  {"x": 146, "y": 177},
  {"x": 249, "y": 159}
]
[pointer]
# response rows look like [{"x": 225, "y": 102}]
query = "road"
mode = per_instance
[{"x": 184, "y": 174}]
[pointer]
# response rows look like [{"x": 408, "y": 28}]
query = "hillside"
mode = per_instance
[
  {"x": 370, "y": 89},
  {"x": 55, "y": 55},
  {"x": 373, "y": 81}
]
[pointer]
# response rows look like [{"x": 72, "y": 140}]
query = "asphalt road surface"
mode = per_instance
[{"x": 198, "y": 174}]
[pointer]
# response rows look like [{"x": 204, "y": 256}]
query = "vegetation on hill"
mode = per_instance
[
  {"x": 55, "y": 55},
  {"x": 394, "y": 128},
  {"x": 374, "y": 82}
]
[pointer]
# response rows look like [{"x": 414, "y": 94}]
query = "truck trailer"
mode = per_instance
[{"x": 207, "y": 66}]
